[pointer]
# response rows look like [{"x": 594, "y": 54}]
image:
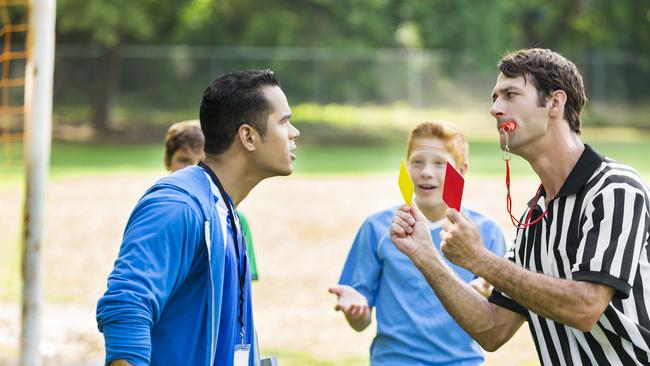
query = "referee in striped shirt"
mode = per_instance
[{"x": 579, "y": 270}]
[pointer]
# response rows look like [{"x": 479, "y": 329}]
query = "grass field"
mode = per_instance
[
  {"x": 485, "y": 159},
  {"x": 300, "y": 245},
  {"x": 94, "y": 186}
]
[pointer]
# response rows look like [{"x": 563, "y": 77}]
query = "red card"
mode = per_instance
[{"x": 452, "y": 190}]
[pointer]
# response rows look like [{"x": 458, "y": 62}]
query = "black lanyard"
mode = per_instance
[{"x": 233, "y": 228}]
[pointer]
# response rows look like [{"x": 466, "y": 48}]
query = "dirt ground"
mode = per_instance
[{"x": 302, "y": 229}]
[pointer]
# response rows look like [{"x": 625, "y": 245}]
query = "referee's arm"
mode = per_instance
[
  {"x": 489, "y": 324},
  {"x": 578, "y": 304}
]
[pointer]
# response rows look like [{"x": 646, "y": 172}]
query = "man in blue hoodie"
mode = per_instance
[{"x": 179, "y": 293}]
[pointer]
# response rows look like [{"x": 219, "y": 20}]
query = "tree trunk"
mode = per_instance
[{"x": 105, "y": 88}]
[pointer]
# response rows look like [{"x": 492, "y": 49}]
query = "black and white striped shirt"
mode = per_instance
[{"x": 597, "y": 229}]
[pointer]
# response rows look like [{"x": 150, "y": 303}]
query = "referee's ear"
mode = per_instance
[{"x": 558, "y": 99}]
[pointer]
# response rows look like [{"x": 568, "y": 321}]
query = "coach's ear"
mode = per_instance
[{"x": 248, "y": 136}]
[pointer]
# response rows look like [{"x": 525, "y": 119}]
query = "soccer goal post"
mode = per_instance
[{"x": 39, "y": 71}]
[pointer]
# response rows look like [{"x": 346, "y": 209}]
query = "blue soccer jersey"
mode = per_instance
[{"x": 413, "y": 327}]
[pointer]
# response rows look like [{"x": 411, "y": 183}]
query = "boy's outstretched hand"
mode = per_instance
[{"x": 353, "y": 304}]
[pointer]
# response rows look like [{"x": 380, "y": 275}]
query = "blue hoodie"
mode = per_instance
[{"x": 173, "y": 295}]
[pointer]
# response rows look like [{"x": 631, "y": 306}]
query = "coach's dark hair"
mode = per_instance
[
  {"x": 549, "y": 71},
  {"x": 230, "y": 101}
]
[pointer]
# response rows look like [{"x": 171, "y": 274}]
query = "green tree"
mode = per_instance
[
  {"x": 109, "y": 24},
  {"x": 309, "y": 23},
  {"x": 478, "y": 31}
]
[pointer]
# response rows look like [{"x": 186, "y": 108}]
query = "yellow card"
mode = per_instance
[{"x": 405, "y": 184}]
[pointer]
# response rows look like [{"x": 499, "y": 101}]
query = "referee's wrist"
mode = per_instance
[
  {"x": 428, "y": 260},
  {"x": 482, "y": 263}
]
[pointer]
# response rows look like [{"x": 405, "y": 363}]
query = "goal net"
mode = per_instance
[{"x": 13, "y": 57}]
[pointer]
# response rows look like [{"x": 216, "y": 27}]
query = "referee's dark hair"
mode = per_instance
[
  {"x": 230, "y": 101},
  {"x": 549, "y": 71}
]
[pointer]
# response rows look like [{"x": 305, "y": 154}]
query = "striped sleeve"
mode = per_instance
[{"x": 613, "y": 234}]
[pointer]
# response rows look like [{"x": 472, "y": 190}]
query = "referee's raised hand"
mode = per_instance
[
  {"x": 461, "y": 240},
  {"x": 410, "y": 233}
]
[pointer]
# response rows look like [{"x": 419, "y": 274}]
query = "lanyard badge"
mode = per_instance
[
  {"x": 242, "y": 354},
  {"x": 241, "y": 350}
]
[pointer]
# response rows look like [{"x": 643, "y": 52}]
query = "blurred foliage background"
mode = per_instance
[{"x": 130, "y": 68}]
